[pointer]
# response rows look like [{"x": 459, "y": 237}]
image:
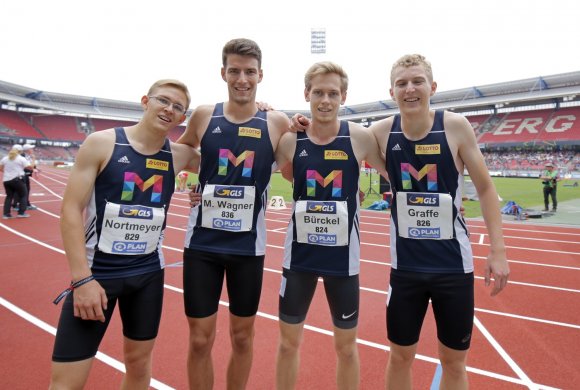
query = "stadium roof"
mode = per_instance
[{"x": 554, "y": 89}]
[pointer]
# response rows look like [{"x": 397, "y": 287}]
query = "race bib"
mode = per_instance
[
  {"x": 423, "y": 215},
  {"x": 131, "y": 229},
  {"x": 321, "y": 222},
  {"x": 226, "y": 207}
]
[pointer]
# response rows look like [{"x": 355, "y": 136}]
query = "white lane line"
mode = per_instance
[
  {"x": 52, "y": 330},
  {"x": 502, "y": 352},
  {"x": 323, "y": 331},
  {"x": 522, "y": 380}
]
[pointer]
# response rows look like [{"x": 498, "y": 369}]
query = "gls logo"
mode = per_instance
[
  {"x": 231, "y": 192},
  {"x": 422, "y": 200},
  {"x": 139, "y": 212},
  {"x": 321, "y": 207}
]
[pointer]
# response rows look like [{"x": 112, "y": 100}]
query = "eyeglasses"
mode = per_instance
[{"x": 177, "y": 108}]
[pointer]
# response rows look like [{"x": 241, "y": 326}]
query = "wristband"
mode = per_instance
[{"x": 72, "y": 286}]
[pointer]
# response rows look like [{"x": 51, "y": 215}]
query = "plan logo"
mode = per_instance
[
  {"x": 322, "y": 239},
  {"x": 227, "y": 224},
  {"x": 129, "y": 248},
  {"x": 416, "y": 232}
]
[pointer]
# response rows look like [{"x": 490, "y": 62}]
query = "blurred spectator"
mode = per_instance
[{"x": 13, "y": 166}]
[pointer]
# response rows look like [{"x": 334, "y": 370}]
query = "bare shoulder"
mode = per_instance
[
  {"x": 98, "y": 142},
  {"x": 381, "y": 130},
  {"x": 458, "y": 129},
  {"x": 289, "y": 136},
  {"x": 456, "y": 122},
  {"x": 382, "y": 127},
  {"x": 200, "y": 113},
  {"x": 278, "y": 121},
  {"x": 359, "y": 132}
]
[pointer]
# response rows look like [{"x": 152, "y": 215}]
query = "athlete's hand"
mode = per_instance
[
  {"x": 194, "y": 198},
  {"x": 299, "y": 123},
  {"x": 361, "y": 195},
  {"x": 498, "y": 267},
  {"x": 89, "y": 301},
  {"x": 263, "y": 106}
]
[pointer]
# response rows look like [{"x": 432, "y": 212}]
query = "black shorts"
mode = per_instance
[
  {"x": 297, "y": 290},
  {"x": 203, "y": 277},
  {"x": 453, "y": 307},
  {"x": 140, "y": 304}
]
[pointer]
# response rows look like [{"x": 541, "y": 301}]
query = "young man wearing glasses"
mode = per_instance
[
  {"x": 226, "y": 234},
  {"x": 122, "y": 182}
]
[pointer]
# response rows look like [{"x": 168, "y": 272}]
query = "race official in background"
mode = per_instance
[{"x": 550, "y": 178}]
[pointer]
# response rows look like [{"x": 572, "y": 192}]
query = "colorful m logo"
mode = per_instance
[
  {"x": 313, "y": 177},
  {"x": 132, "y": 179},
  {"x": 247, "y": 157},
  {"x": 429, "y": 170}
]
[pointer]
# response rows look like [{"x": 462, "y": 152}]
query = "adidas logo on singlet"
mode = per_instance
[
  {"x": 303, "y": 153},
  {"x": 217, "y": 130},
  {"x": 396, "y": 147},
  {"x": 124, "y": 160}
]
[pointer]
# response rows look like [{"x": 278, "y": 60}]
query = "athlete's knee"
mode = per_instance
[
  {"x": 346, "y": 347},
  {"x": 138, "y": 360},
  {"x": 401, "y": 357},
  {"x": 200, "y": 342},
  {"x": 242, "y": 338},
  {"x": 289, "y": 345},
  {"x": 138, "y": 369},
  {"x": 453, "y": 367},
  {"x": 347, "y": 351}
]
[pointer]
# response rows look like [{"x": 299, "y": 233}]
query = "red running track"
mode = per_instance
[{"x": 527, "y": 337}]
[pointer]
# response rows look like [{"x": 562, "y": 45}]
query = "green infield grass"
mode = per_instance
[{"x": 527, "y": 192}]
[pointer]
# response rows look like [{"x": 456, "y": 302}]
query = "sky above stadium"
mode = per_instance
[{"x": 117, "y": 49}]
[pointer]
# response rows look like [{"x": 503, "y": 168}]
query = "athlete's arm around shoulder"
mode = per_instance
[
  {"x": 278, "y": 125},
  {"x": 185, "y": 157},
  {"x": 365, "y": 147},
  {"x": 381, "y": 130},
  {"x": 93, "y": 155},
  {"x": 196, "y": 126},
  {"x": 461, "y": 138},
  {"x": 284, "y": 154}
]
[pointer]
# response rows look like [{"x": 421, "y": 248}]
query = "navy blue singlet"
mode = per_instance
[
  {"x": 427, "y": 165},
  {"x": 138, "y": 184},
  {"x": 325, "y": 173},
  {"x": 234, "y": 155}
]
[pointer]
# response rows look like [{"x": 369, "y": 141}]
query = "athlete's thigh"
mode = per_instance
[
  {"x": 406, "y": 306},
  {"x": 244, "y": 276},
  {"x": 141, "y": 304},
  {"x": 78, "y": 339},
  {"x": 343, "y": 295},
  {"x": 453, "y": 307},
  {"x": 296, "y": 292},
  {"x": 203, "y": 277}
]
